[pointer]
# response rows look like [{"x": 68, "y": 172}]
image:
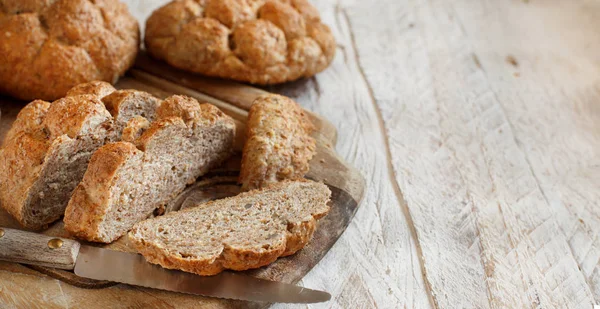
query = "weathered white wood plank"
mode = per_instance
[
  {"x": 375, "y": 263},
  {"x": 553, "y": 106},
  {"x": 489, "y": 234}
]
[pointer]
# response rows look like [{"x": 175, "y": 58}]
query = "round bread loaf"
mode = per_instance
[
  {"x": 255, "y": 41},
  {"x": 49, "y": 46}
]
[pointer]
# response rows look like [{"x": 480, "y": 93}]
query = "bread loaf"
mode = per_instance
[
  {"x": 261, "y": 42},
  {"x": 246, "y": 231},
  {"x": 47, "y": 150},
  {"x": 47, "y": 47},
  {"x": 127, "y": 181},
  {"x": 279, "y": 145}
]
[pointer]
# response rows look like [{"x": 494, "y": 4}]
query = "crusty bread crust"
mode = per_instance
[
  {"x": 279, "y": 145},
  {"x": 21, "y": 158},
  {"x": 97, "y": 88},
  {"x": 156, "y": 239},
  {"x": 261, "y": 42},
  {"x": 134, "y": 128},
  {"x": 47, "y": 47},
  {"x": 29, "y": 119},
  {"x": 97, "y": 211}
]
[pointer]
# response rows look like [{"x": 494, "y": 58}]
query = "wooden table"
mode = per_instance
[{"x": 477, "y": 127}]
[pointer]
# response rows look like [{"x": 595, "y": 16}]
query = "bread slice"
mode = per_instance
[
  {"x": 246, "y": 231},
  {"x": 279, "y": 145},
  {"x": 127, "y": 181},
  {"x": 47, "y": 150}
]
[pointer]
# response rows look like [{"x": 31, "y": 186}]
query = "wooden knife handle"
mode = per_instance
[{"x": 37, "y": 249}]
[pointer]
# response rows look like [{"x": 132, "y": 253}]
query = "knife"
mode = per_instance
[{"x": 103, "y": 264}]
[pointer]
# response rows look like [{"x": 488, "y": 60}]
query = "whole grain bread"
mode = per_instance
[
  {"x": 258, "y": 41},
  {"x": 127, "y": 181},
  {"x": 279, "y": 145},
  {"x": 246, "y": 231},
  {"x": 47, "y": 150},
  {"x": 47, "y": 47},
  {"x": 45, "y": 155}
]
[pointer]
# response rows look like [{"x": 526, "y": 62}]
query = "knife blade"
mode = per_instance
[
  {"x": 103, "y": 264},
  {"x": 129, "y": 268}
]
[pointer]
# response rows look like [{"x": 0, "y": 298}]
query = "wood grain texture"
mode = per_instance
[
  {"x": 554, "y": 112},
  {"x": 491, "y": 113},
  {"x": 376, "y": 262},
  {"x": 35, "y": 249}
]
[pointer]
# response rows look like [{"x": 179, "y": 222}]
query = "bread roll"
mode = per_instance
[
  {"x": 47, "y": 47},
  {"x": 260, "y": 42}
]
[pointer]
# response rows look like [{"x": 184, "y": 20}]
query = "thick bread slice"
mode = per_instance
[
  {"x": 279, "y": 145},
  {"x": 45, "y": 156},
  {"x": 246, "y": 231},
  {"x": 126, "y": 182},
  {"x": 106, "y": 166}
]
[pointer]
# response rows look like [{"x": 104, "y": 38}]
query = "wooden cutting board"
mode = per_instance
[{"x": 44, "y": 287}]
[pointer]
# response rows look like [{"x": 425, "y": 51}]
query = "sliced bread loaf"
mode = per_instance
[
  {"x": 46, "y": 153},
  {"x": 246, "y": 231},
  {"x": 279, "y": 145},
  {"x": 48, "y": 147},
  {"x": 127, "y": 181}
]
